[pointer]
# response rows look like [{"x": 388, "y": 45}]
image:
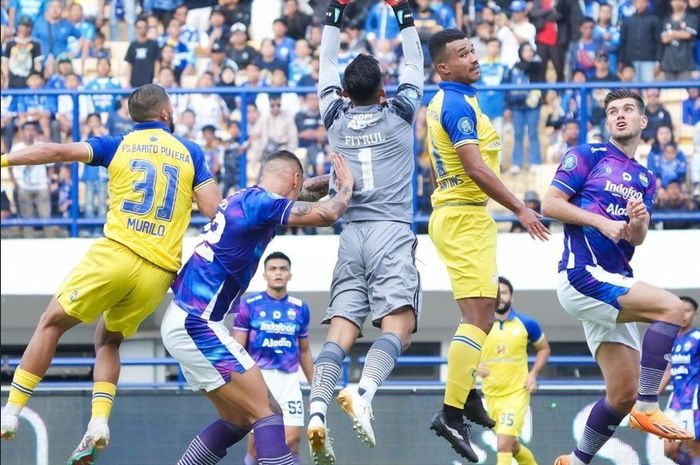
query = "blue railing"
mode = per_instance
[
  {"x": 181, "y": 383},
  {"x": 75, "y": 222}
]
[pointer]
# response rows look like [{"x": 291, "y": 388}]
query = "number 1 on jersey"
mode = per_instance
[{"x": 365, "y": 157}]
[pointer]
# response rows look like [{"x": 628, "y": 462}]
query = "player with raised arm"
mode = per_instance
[
  {"x": 375, "y": 273},
  {"x": 465, "y": 150},
  {"x": 273, "y": 326},
  {"x": 684, "y": 372},
  {"x": 153, "y": 176},
  {"x": 212, "y": 280},
  {"x": 506, "y": 381},
  {"x": 604, "y": 197}
]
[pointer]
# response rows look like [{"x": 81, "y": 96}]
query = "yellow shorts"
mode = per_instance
[
  {"x": 509, "y": 411},
  {"x": 114, "y": 281},
  {"x": 465, "y": 239}
]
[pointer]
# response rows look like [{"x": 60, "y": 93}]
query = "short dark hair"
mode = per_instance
[
  {"x": 439, "y": 41},
  {"x": 281, "y": 20},
  {"x": 146, "y": 102},
  {"x": 619, "y": 94},
  {"x": 277, "y": 255},
  {"x": 363, "y": 79},
  {"x": 285, "y": 156},
  {"x": 493, "y": 39},
  {"x": 506, "y": 281},
  {"x": 691, "y": 301},
  {"x": 94, "y": 115},
  {"x": 588, "y": 19}
]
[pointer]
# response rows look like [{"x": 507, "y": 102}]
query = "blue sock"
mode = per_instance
[
  {"x": 209, "y": 446},
  {"x": 657, "y": 344},
  {"x": 600, "y": 426}
]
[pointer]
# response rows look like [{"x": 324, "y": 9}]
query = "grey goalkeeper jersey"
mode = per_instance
[{"x": 377, "y": 142}]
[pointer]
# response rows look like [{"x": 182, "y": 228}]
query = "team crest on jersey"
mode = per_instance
[
  {"x": 291, "y": 313},
  {"x": 465, "y": 125},
  {"x": 626, "y": 176},
  {"x": 276, "y": 315},
  {"x": 570, "y": 162},
  {"x": 500, "y": 349},
  {"x": 153, "y": 138},
  {"x": 687, "y": 346},
  {"x": 73, "y": 296},
  {"x": 644, "y": 179}
]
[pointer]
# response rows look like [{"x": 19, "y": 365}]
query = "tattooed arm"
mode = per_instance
[
  {"x": 329, "y": 211},
  {"x": 315, "y": 188}
]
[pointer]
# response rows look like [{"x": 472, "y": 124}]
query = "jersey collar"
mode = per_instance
[
  {"x": 152, "y": 125},
  {"x": 459, "y": 87},
  {"x": 272, "y": 298}
]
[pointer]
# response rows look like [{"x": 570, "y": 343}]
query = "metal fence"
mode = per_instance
[{"x": 74, "y": 223}]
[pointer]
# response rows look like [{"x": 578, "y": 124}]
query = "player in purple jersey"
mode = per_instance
[
  {"x": 604, "y": 198},
  {"x": 684, "y": 370},
  {"x": 216, "y": 276},
  {"x": 274, "y": 327}
]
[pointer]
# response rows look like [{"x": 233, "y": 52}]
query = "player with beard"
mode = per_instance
[
  {"x": 153, "y": 176},
  {"x": 507, "y": 383},
  {"x": 604, "y": 197}
]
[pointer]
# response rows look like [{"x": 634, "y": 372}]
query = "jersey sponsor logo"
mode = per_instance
[
  {"x": 570, "y": 162},
  {"x": 616, "y": 210},
  {"x": 278, "y": 328},
  {"x": 361, "y": 121},
  {"x": 680, "y": 359},
  {"x": 679, "y": 371},
  {"x": 294, "y": 301},
  {"x": 276, "y": 315},
  {"x": 626, "y": 176},
  {"x": 263, "y": 314},
  {"x": 365, "y": 139},
  {"x": 465, "y": 125},
  {"x": 146, "y": 227},
  {"x": 620, "y": 190},
  {"x": 277, "y": 343},
  {"x": 598, "y": 149},
  {"x": 644, "y": 179},
  {"x": 253, "y": 299}
]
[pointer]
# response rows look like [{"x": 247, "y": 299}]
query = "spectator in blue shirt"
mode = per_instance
[
  {"x": 80, "y": 46},
  {"x": 161, "y": 9},
  {"x": 691, "y": 107},
  {"x": 98, "y": 48},
  {"x": 284, "y": 45},
  {"x": 582, "y": 52},
  {"x": 64, "y": 67},
  {"x": 189, "y": 34},
  {"x": 493, "y": 73},
  {"x": 608, "y": 35},
  {"x": 53, "y": 32},
  {"x": 105, "y": 105},
  {"x": 663, "y": 137},
  {"x": 381, "y": 24},
  {"x": 36, "y": 107},
  {"x": 671, "y": 168},
  {"x": 20, "y": 8},
  {"x": 300, "y": 66},
  {"x": 95, "y": 177},
  {"x": 183, "y": 61},
  {"x": 445, "y": 13}
]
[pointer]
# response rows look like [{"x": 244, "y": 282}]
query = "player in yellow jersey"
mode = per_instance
[
  {"x": 153, "y": 177},
  {"x": 464, "y": 150},
  {"x": 507, "y": 383}
]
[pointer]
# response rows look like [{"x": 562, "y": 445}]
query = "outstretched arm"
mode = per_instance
[
  {"x": 329, "y": 85},
  {"x": 410, "y": 42},
  {"x": 42, "y": 154}
]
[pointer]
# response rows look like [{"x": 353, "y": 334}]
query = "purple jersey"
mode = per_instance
[
  {"x": 230, "y": 248},
  {"x": 274, "y": 328},
  {"x": 601, "y": 179},
  {"x": 685, "y": 371}
]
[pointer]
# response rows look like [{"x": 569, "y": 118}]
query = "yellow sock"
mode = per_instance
[
  {"x": 525, "y": 456},
  {"x": 462, "y": 359},
  {"x": 102, "y": 399},
  {"x": 23, "y": 384},
  {"x": 504, "y": 458}
]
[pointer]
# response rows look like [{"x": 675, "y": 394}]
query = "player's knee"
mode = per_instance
[
  {"x": 675, "y": 310},
  {"x": 622, "y": 400},
  {"x": 54, "y": 319}
]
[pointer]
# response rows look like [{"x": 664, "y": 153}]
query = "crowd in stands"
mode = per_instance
[{"x": 253, "y": 44}]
